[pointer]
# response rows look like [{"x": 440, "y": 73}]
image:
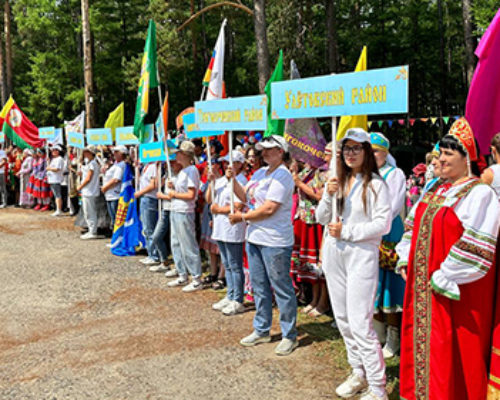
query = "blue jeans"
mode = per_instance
[
  {"x": 185, "y": 248},
  {"x": 112, "y": 206},
  {"x": 149, "y": 217},
  {"x": 232, "y": 258},
  {"x": 270, "y": 267},
  {"x": 161, "y": 230}
]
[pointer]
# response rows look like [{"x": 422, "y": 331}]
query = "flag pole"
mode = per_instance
[
  {"x": 169, "y": 168},
  {"x": 230, "y": 133},
  {"x": 333, "y": 166}
]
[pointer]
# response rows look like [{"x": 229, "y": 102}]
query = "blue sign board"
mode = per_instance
[
  {"x": 155, "y": 151},
  {"x": 2, "y": 137},
  {"x": 76, "y": 139},
  {"x": 376, "y": 91},
  {"x": 247, "y": 113},
  {"x": 192, "y": 132},
  {"x": 47, "y": 132},
  {"x": 125, "y": 136},
  {"x": 99, "y": 136}
]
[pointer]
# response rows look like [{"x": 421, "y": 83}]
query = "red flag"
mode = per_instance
[
  {"x": 165, "y": 115},
  {"x": 20, "y": 123}
]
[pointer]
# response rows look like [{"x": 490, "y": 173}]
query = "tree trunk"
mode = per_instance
[
  {"x": 8, "y": 48},
  {"x": 261, "y": 41},
  {"x": 442, "y": 62},
  {"x": 470, "y": 40},
  {"x": 3, "y": 83},
  {"x": 87, "y": 66},
  {"x": 332, "y": 44}
]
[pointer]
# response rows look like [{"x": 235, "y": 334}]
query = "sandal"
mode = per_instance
[
  {"x": 219, "y": 284},
  {"x": 209, "y": 279},
  {"x": 307, "y": 309},
  {"x": 315, "y": 313}
]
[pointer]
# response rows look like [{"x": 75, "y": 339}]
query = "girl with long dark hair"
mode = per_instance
[{"x": 351, "y": 262}]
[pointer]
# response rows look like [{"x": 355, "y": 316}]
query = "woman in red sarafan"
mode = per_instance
[{"x": 447, "y": 255}]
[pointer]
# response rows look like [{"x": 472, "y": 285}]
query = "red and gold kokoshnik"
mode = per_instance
[{"x": 462, "y": 131}]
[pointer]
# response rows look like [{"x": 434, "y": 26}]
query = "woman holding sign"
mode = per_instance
[
  {"x": 269, "y": 236},
  {"x": 351, "y": 259},
  {"x": 183, "y": 194}
]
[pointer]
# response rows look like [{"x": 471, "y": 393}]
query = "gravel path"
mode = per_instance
[{"x": 78, "y": 323}]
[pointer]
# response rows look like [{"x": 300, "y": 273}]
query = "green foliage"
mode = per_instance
[{"x": 48, "y": 70}]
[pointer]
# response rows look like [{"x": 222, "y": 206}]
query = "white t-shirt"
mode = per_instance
[
  {"x": 277, "y": 230},
  {"x": 167, "y": 204},
  {"x": 223, "y": 230},
  {"x": 91, "y": 189},
  {"x": 114, "y": 172},
  {"x": 187, "y": 178},
  {"x": 56, "y": 177},
  {"x": 148, "y": 173}
]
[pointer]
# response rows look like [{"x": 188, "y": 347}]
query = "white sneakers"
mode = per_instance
[
  {"x": 171, "y": 273},
  {"x": 392, "y": 344},
  {"x": 149, "y": 261},
  {"x": 180, "y": 281},
  {"x": 158, "y": 268},
  {"x": 221, "y": 304},
  {"x": 193, "y": 286},
  {"x": 57, "y": 213},
  {"x": 372, "y": 396},
  {"x": 89, "y": 236},
  {"x": 286, "y": 346},
  {"x": 233, "y": 308},
  {"x": 352, "y": 386},
  {"x": 253, "y": 339}
]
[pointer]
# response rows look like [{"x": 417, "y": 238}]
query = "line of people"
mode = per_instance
[{"x": 297, "y": 235}]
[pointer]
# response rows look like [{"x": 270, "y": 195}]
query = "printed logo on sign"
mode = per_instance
[{"x": 15, "y": 118}]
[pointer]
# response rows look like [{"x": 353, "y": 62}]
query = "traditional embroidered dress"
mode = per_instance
[
  {"x": 308, "y": 233},
  {"x": 391, "y": 287},
  {"x": 25, "y": 199},
  {"x": 448, "y": 247}
]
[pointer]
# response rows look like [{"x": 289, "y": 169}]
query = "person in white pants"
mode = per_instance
[
  {"x": 350, "y": 259},
  {"x": 90, "y": 191}
]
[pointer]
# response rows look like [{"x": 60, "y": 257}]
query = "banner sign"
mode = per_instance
[
  {"x": 192, "y": 131},
  {"x": 305, "y": 140},
  {"x": 376, "y": 91},
  {"x": 47, "y": 132},
  {"x": 99, "y": 136},
  {"x": 125, "y": 136},
  {"x": 76, "y": 139},
  {"x": 237, "y": 114},
  {"x": 154, "y": 151}
]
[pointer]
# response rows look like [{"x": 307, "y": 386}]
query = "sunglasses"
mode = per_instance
[{"x": 355, "y": 150}]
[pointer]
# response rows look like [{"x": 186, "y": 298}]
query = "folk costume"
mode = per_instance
[{"x": 448, "y": 250}]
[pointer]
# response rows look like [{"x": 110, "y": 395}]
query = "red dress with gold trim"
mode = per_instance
[{"x": 448, "y": 307}]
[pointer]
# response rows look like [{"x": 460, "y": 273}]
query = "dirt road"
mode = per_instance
[{"x": 78, "y": 323}]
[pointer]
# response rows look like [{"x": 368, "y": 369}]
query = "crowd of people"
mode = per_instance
[{"x": 406, "y": 265}]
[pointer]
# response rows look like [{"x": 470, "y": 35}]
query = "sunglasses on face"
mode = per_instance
[{"x": 355, "y": 150}]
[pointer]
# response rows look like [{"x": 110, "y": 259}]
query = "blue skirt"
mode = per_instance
[{"x": 391, "y": 287}]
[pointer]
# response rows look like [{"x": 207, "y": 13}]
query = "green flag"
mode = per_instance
[
  {"x": 148, "y": 81},
  {"x": 274, "y": 126},
  {"x": 16, "y": 139}
]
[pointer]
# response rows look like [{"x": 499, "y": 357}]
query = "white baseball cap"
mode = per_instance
[
  {"x": 90, "y": 148},
  {"x": 273, "y": 141},
  {"x": 356, "y": 134},
  {"x": 120, "y": 148},
  {"x": 237, "y": 157},
  {"x": 56, "y": 147}
]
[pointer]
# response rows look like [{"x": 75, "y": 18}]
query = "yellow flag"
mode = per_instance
[
  {"x": 115, "y": 119},
  {"x": 354, "y": 121}
]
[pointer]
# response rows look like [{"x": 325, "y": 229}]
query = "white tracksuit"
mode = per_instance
[{"x": 351, "y": 268}]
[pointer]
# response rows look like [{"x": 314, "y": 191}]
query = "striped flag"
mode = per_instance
[{"x": 214, "y": 76}]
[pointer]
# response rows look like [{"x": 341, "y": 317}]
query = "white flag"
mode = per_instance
[{"x": 215, "y": 71}]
